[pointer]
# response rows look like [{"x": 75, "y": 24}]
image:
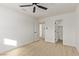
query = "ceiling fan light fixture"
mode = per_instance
[{"x": 34, "y": 8}]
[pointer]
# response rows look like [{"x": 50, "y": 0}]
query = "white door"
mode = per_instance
[{"x": 36, "y": 31}]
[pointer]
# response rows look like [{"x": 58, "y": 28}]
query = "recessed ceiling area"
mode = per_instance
[{"x": 53, "y": 9}]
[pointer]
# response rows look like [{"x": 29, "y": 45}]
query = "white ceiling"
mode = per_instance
[{"x": 53, "y": 9}]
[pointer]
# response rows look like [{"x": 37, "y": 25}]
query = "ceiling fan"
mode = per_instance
[{"x": 34, "y": 8}]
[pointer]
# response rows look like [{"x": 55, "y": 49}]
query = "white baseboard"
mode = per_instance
[{"x": 69, "y": 44}]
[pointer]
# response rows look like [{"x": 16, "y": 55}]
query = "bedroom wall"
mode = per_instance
[
  {"x": 16, "y": 29},
  {"x": 77, "y": 28}
]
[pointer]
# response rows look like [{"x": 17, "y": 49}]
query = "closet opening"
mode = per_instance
[{"x": 58, "y": 32}]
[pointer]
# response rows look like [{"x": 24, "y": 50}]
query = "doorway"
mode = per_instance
[
  {"x": 42, "y": 31},
  {"x": 58, "y": 32}
]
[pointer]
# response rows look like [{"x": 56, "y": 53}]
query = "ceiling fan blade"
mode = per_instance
[
  {"x": 34, "y": 9},
  {"x": 25, "y": 5},
  {"x": 42, "y": 7}
]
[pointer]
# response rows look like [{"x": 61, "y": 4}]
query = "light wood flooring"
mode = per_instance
[{"x": 42, "y": 48}]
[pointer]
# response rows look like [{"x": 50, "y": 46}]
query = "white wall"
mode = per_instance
[
  {"x": 69, "y": 31},
  {"x": 17, "y": 27},
  {"x": 77, "y": 28}
]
